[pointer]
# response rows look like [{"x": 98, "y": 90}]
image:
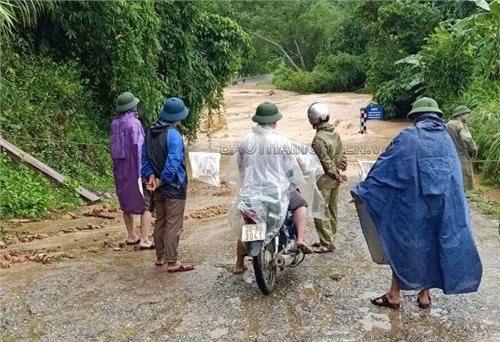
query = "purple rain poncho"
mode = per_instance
[{"x": 127, "y": 137}]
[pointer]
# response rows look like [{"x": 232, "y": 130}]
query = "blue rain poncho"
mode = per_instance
[{"x": 415, "y": 197}]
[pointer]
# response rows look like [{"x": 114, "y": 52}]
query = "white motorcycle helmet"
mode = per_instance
[{"x": 317, "y": 113}]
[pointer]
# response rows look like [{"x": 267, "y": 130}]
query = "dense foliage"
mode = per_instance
[
  {"x": 64, "y": 63},
  {"x": 154, "y": 49},
  {"x": 402, "y": 50},
  {"x": 340, "y": 72},
  {"x": 290, "y": 30},
  {"x": 484, "y": 98}
]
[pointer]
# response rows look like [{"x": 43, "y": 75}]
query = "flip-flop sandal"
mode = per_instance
[
  {"x": 422, "y": 305},
  {"x": 181, "y": 268},
  {"x": 131, "y": 243},
  {"x": 144, "y": 248},
  {"x": 323, "y": 249},
  {"x": 316, "y": 244},
  {"x": 306, "y": 249},
  {"x": 159, "y": 264},
  {"x": 385, "y": 302}
]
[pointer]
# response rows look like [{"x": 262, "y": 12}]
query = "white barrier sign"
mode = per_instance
[{"x": 205, "y": 167}]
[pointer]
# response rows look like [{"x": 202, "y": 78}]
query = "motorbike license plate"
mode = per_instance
[{"x": 253, "y": 232}]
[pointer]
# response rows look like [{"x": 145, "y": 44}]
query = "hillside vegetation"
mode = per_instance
[
  {"x": 63, "y": 65},
  {"x": 398, "y": 50}
]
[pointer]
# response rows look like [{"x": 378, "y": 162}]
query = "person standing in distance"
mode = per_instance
[{"x": 465, "y": 145}]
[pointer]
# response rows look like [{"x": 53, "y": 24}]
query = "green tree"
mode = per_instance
[
  {"x": 16, "y": 14},
  {"x": 154, "y": 49},
  {"x": 401, "y": 28},
  {"x": 292, "y": 30},
  {"x": 62, "y": 70}
]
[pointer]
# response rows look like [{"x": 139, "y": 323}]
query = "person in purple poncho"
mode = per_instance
[{"x": 127, "y": 137}]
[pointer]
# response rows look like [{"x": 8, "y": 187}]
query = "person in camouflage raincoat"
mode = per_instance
[
  {"x": 328, "y": 147},
  {"x": 465, "y": 145}
]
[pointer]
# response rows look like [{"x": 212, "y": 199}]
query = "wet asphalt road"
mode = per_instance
[{"x": 113, "y": 296}]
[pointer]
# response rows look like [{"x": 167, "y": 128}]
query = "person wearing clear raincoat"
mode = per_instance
[{"x": 267, "y": 175}]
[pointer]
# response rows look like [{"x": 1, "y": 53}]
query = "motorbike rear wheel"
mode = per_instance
[{"x": 265, "y": 269}]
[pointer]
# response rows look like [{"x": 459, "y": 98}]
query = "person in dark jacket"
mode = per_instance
[{"x": 164, "y": 170}]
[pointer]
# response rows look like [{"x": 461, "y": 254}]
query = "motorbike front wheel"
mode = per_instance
[{"x": 265, "y": 269}]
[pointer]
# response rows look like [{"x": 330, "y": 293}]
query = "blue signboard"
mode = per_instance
[{"x": 374, "y": 113}]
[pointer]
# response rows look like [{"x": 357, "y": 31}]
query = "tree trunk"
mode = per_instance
[
  {"x": 300, "y": 54},
  {"x": 280, "y": 48}
]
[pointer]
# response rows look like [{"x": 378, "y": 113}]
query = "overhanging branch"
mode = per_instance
[{"x": 278, "y": 46}]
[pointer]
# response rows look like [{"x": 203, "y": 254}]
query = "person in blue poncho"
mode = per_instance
[{"x": 414, "y": 195}]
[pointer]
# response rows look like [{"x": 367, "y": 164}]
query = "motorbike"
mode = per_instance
[{"x": 269, "y": 255}]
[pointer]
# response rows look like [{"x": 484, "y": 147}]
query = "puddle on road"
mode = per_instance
[
  {"x": 126, "y": 333},
  {"x": 309, "y": 293},
  {"x": 329, "y": 316},
  {"x": 218, "y": 333}
]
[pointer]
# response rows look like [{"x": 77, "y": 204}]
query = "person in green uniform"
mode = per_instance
[
  {"x": 465, "y": 145},
  {"x": 328, "y": 147}
]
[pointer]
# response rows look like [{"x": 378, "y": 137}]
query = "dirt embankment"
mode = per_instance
[{"x": 92, "y": 229}]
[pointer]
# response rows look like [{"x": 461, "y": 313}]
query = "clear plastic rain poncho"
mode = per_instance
[
  {"x": 264, "y": 169},
  {"x": 312, "y": 171}
]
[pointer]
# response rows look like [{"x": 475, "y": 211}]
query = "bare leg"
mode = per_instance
[
  {"x": 394, "y": 292},
  {"x": 129, "y": 223},
  {"x": 145, "y": 224},
  {"x": 393, "y": 296},
  {"x": 240, "y": 268},
  {"x": 300, "y": 220},
  {"x": 424, "y": 296}
]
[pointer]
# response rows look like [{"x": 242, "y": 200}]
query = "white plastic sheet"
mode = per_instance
[
  {"x": 312, "y": 171},
  {"x": 364, "y": 168},
  {"x": 367, "y": 226},
  {"x": 205, "y": 167}
]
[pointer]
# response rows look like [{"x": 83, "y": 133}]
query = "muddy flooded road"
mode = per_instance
[
  {"x": 100, "y": 290},
  {"x": 121, "y": 295}
]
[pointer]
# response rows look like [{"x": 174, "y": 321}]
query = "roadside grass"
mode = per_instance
[{"x": 485, "y": 205}]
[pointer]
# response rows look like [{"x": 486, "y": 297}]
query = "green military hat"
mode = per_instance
[
  {"x": 460, "y": 110},
  {"x": 126, "y": 101},
  {"x": 266, "y": 113},
  {"x": 425, "y": 105}
]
